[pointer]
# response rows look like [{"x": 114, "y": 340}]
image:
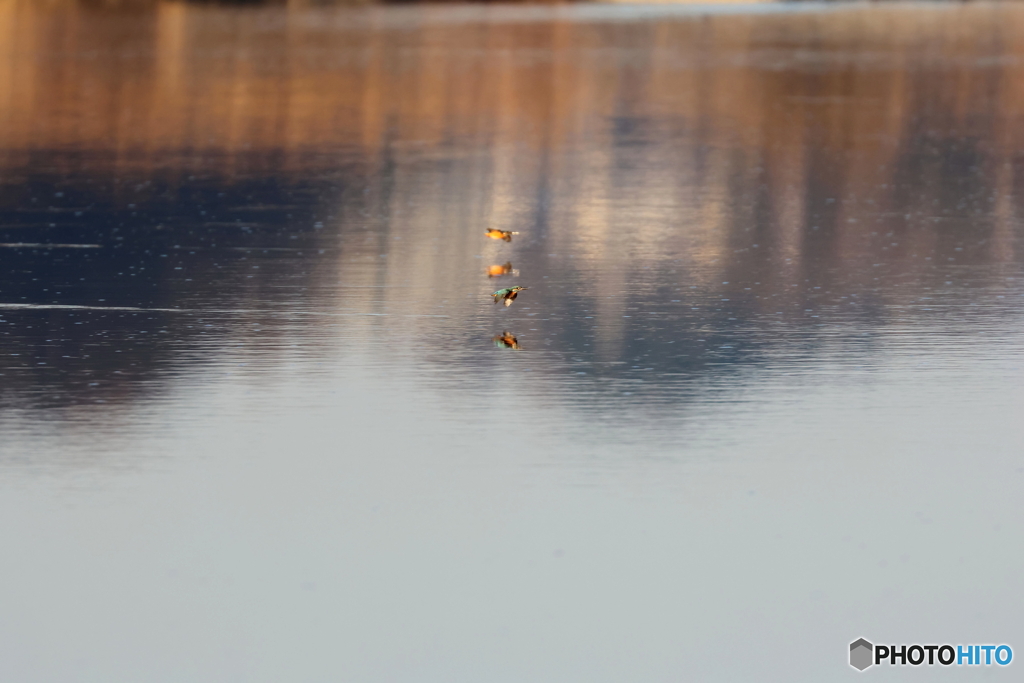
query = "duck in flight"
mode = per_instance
[{"x": 508, "y": 295}]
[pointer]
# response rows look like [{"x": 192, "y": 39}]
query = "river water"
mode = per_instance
[{"x": 767, "y": 395}]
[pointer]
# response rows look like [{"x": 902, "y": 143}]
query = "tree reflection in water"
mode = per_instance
[{"x": 695, "y": 195}]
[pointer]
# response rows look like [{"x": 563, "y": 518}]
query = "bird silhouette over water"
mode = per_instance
[
  {"x": 505, "y": 340},
  {"x": 496, "y": 234},
  {"x": 508, "y": 295}
]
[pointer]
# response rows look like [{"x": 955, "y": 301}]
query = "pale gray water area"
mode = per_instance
[{"x": 254, "y": 425}]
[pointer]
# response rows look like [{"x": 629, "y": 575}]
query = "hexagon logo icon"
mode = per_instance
[{"x": 860, "y": 654}]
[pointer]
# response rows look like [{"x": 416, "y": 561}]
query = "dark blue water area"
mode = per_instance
[{"x": 111, "y": 277}]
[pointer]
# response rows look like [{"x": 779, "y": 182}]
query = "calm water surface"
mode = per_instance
[{"x": 767, "y": 400}]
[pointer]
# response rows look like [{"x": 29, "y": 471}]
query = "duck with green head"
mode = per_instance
[{"x": 508, "y": 295}]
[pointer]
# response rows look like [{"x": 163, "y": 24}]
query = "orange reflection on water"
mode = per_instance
[{"x": 500, "y": 270}]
